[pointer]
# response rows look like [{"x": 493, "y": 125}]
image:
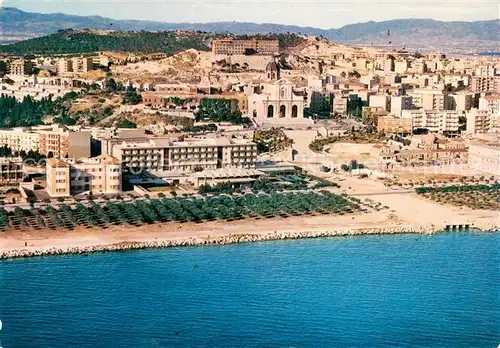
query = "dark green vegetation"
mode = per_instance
[
  {"x": 30, "y": 155},
  {"x": 472, "y": 196},
  {"x": 87, "y": 41},
  {"x": 131, "y": 96},
  {"x": 273, "y": 139},
  {"x": 181, "y": 210},
  {"x": 200, "y": 129},
  {"x": 219, "y": 110},
  {"x": 82, "y": 41},
  {"x": 30, "y": 112}
]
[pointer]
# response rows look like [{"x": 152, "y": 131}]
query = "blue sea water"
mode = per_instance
[{"x": 364, "y": 291}]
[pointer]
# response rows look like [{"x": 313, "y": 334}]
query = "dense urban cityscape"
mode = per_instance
[{"x": 116, "y": 140}]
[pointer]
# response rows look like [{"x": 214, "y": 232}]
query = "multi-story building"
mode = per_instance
[
  {"x": 58, "y": 178},
  {"x": 21, "y": 67},
  {"x": 320, "y": 101},
  {"x": 485, "y": 84},
  {"x": 482, "y": 122},
  {"x": 442, "y": 122},
  {"x": 461, "y": 101},
  {"x": 54, "y": 139},
  {"x": 380, "y": 101},
  {"x": 400, "y": 103},
  {"x": 485, "y": 157},
  {"x": 98, "y": 175},
  {"x": 82, "y": 64},
  {"x": 176, "y": 89},
  {"x": 11, "y": 169},
  {"x": 491, "y": 103},
  {"x": 430, "y": 99},
  {"x": 340, "y": 104},
  {"x": 64, "y": 66},
  {"x": 20, "y": 139},
  {"x": 390, "y": 124},
  {"x": 233, "y": 46},
  {"x": 401, "y": 66},
  {"x": 185, "y": 156}
]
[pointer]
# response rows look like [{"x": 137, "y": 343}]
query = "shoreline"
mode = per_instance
[{"x": 224, "y": 239}]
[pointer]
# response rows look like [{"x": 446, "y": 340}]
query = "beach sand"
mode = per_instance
[{"x": 406, "y": 212}]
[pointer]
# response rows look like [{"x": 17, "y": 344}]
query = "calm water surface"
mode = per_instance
[{"x": 366, "y": 291}]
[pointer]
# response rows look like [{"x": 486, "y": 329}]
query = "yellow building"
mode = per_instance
[
  {"x": 98, "y": 175},
  {"x": 389, "y": 124},
  {"x": 233, "y": 46},
  {"x": 54, "y": 139},
  {"x": 58, "y": 178},
  {"x": 21, "y": 67}
]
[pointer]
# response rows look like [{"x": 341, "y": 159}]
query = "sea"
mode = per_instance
[{"x": 363, "y": 291}]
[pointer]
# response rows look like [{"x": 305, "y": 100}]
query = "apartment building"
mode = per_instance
[
  {"x": 340, "y": 104},
  {"x": 460, "y": 101},
  {"x": 82, "y": 64},
  {"x": 442, "y": 122},
  {"x": 430, "y": 99},
  {"x": 100, "y": 133},
  {"x": 185, "y": 156},
  {"x": 491, "y": 103},
  {"x": 380, "y": 101},
  {"x": 233, "y": 46},
  {"x": 482, "y": 122},
  {"x": 20, "y": 139},
  {"x": 21, "y": 67},
  {"x": 64, "y": 66},
  {"x": 400, "y": 103},
  {"x": 58, "y": 178},
  {"x": 485, "y": 84},
  {"x": 401, "y": 66},
  {"x": 11, "y": 169},
  {"x": 54, "y": 139},
  {"x": 99, "y": 175}
]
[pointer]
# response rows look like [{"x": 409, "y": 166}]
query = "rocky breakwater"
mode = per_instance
[{"x": 211, "y": 240}]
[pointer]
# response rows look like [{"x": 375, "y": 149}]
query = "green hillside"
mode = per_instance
[
  {"x": 169, "y": 42},
  {"x": 82, "y": 41}
]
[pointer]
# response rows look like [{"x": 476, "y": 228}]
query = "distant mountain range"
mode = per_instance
[{"x": 413, "y": 34}]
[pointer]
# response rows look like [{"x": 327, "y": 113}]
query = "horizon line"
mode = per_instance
[{"x": 245, "y": 22}]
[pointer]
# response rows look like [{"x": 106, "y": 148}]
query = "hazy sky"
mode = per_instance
[{"x": 316, "y": 13}]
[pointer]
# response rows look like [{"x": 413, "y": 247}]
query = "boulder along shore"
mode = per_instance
[{"x": 209, "y": 240}]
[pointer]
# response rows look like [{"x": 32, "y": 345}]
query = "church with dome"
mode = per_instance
[{"x": 275, "y": 100}]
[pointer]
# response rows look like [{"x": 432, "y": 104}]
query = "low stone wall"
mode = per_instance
[{"x": 219, "y": 240}]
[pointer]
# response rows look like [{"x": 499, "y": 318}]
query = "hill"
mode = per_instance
[
  {"x": 85, "y": 40},
  {"x": 416, "y": 34}
]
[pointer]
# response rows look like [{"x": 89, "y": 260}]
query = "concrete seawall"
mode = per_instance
[{"x": 218, "y": 240}]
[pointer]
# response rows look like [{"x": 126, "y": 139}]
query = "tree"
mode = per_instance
[
  {"x": 124, "y": 123},
  {"x": 353, "y": 164},
  {"x": 131, "y": 97}
]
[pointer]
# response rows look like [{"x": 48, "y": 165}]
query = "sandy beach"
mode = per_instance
[{"x": 408, "y": 214}]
